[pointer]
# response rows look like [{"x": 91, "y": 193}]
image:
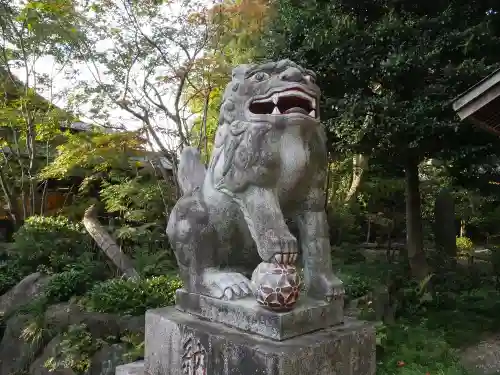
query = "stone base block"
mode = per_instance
[
  {"x": 178, "y": 343},
  {"x": 246, "y": 314},
  {"x": 135, "y": 368}
]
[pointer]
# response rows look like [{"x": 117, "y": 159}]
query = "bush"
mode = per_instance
[
  {"x": 67, "y": 284},
  {"x": 53, "y": 242},
  {"x": 74, "y": 351},
  {"x": 132, "y": 297},
  {"x": 465, "y": 246},
  {"x": 11, "y": 272}
]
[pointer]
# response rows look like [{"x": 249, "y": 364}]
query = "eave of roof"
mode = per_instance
[{"x": 477, "y": 90}]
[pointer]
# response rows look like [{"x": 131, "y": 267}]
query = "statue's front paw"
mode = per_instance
[
  {"x": 285, "y": 250},
  {"x": 326, "y": 287},
  {"x": 227, "y": 285}
]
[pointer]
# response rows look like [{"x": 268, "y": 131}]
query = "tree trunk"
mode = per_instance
[
  {"x": 462, "y": 228},
  {"x": 414, "y": 232},
  {"x": 359, "y": 166},
  {"x": 107, "y": 244},
  {"x": 369, "y": 231},
  {"x": 10, "y": 202}
]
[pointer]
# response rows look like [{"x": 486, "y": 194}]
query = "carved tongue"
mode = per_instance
[{"x": 296, "y": 110}]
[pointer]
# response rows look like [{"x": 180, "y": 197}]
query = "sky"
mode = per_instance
[{"x": 63, "y": 83}]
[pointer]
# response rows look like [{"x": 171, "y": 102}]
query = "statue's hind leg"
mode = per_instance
[{"x": 198, "y": 252}]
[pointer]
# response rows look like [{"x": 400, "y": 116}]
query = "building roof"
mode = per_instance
[{"x": 480, "y": 104}]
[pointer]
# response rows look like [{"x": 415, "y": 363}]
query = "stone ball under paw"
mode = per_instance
[{"x": 276, "y": 286}]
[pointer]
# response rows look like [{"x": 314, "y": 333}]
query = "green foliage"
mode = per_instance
[
  {"x": 132, "y": 297},
  {"x": 137, "y": 200},
  {"x": 367, "y": 55},
  {"x": 65, "y": 285},
  {"x": 135, "y": 346},
  {"x": 89, "y": 153},
  {"x": 465, "y": 246},
  {"x": 50, "y": 242},
  {"x": 343, "y": 223},
  {"x": 75, "y": 350},
  {"x": 407, "y": 349},
  {"x": 11, "y": 272}
]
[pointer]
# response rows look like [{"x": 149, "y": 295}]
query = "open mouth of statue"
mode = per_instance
[{"x": 284, "y": 103}]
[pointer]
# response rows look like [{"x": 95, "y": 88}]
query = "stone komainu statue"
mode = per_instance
[{"x": 268, "y": 166}]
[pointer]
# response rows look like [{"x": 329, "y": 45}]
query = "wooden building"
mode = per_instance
[{"x": 481, "y": 104}]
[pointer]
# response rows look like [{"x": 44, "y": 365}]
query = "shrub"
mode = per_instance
[
  {"x": 74, "y": 351},
  {"x": 465, "y": 246},
  {"x": 11, "y": 272},
  {"x": 50, "y": 241},
  {"x": 132, "y": 297},
  {"x": 67, "y": 284}
]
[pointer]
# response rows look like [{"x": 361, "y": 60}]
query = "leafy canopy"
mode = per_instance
[{"x": 401, "y": 61}]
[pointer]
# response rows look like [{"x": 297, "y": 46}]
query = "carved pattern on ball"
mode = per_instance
[{"x": 276, "y": 286}]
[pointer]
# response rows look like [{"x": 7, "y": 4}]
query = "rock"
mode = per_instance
[
  {"x": 16, "y": 354},
  {"x": 59, "y": 317},
  {"x": 104, "y": 362},
  {"x": 38, "y": 367},
  {"x": 134, "y": 368},
  {"x": 25, "y": 291},
  {"x": 99, "y": 325}
]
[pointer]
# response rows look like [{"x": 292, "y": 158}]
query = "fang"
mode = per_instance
[
  {"x": 312, "y": 113},
  {"x": 276, "y": 111}
]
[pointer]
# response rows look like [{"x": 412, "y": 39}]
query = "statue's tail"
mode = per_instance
[{"x": 191, "y": 171}]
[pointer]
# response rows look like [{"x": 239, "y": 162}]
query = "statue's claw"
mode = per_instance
[
  {"x": 285, "y": 258},
  {"x": 327, "y": 287},
  {"x": 226, "y": 285},
  {"x": 285, "y": 250}
]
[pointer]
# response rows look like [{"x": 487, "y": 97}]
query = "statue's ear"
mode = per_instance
[{"x": 240, "y": 70}]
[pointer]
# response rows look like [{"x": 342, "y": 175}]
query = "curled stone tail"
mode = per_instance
[{"x": 191, "y": 171}]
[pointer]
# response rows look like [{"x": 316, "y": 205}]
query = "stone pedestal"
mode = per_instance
[
  {"x": 178, "y": 343},
  {"x": 246, "y": 314},
  {"x": 208, "y": 336},
  {"x": 135, "y": 368}
]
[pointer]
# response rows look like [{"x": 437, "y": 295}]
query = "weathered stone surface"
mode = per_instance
[
  {"x": 105, "y": 361},
  {"x": 175, "y": 340},
  {"x": 135, "y": 368},
  {"x": 99, "y": 324},
  {"x": 57, "y": 318},
  {"x": 245, "y": 314},
  {"x": 267, "y": 166},
  {"x": 25, "y": 291},
  {"x": 16, "y": 354}
]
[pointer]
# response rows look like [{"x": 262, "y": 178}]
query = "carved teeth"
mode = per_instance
[
  {"x": 313, "y": 104},
  {"x": 276, "y": 111},
  {"x": 275, "y": 98},
  {"x": 278, "y": 258},
  {"x": 312, "y": 113}
]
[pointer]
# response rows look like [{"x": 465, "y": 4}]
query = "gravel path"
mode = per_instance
[{"x": 484, "y": 357}]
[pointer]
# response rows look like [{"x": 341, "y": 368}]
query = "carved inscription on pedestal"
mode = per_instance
[{"x": 193, "y": 357}]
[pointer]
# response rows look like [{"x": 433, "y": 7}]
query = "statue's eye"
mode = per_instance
[
  {"x": 260, "y": 76},
  {"x": 310, "y": 79}
]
